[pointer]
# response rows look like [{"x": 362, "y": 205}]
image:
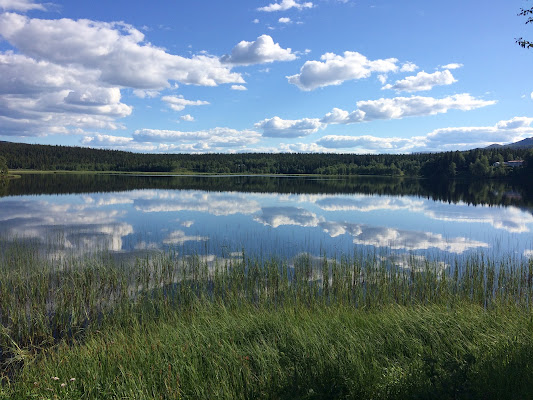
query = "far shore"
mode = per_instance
[{"x": 191, "y": 173}]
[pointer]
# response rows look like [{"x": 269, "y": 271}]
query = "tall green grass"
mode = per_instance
[{"x": 242, "y": 327}]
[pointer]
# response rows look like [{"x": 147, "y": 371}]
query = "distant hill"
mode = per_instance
[{"x": 522, "y": 144}]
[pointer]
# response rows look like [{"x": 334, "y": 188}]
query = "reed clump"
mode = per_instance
[{"x": 171, "y": 326}]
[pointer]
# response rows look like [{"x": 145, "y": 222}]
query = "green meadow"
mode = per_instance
[{"x": 176, "y": 327}]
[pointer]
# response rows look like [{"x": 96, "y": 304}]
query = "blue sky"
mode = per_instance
[{"x": 368, "y": 76}]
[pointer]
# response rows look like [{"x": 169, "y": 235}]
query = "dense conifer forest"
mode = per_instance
[{"x": 477, "y": 163}]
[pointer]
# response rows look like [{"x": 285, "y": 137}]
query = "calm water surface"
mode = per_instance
[{"x": 219, "y": 216}]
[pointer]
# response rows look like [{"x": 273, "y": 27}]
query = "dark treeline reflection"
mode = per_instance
[{"x": 479, "y": 192}]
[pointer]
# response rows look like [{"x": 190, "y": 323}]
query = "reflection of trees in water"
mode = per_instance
[
  {"x": 491, "y": 192},
  {"x": 4, "y": 184},
  {"x": 479, "y": 192}
]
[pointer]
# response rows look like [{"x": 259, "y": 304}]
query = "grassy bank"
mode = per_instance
[
  {"x": 296, "y": 352},
  {"x": 194, "y": 327}
]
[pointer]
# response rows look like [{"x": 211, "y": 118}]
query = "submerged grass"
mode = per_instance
[{"x": 185, "y": 327}]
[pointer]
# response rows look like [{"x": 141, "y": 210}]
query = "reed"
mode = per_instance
[{"x": 165, "y": 312}]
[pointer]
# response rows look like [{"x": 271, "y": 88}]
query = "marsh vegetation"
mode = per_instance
[{"x": 169, "y": 326}]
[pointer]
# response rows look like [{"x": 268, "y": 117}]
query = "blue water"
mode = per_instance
[{"x": 219, "y": 223}]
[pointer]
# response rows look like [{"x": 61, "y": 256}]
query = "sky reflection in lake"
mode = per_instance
[{"x": 224, "y": 222}]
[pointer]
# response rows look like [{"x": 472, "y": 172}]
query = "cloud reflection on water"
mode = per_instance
[
  {"x": 103, "y": 220},
  {"x": 68, "y": 226},
  {"x": 511, "y": 219}
]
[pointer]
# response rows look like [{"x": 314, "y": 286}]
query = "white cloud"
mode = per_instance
[
  {"x": 106, "y": 140},
  {"x": 443, "y": 139},
  {"x": 238, "y": 87},
  {"x": 20, "y": 5},
  {"x": 277, "y": 127},
  {"x": 178, "y": 103},
  {"x": 67, "y": 75},
  {"x": 263, "y": 50},
  {"x": 401, "y": 107},
  {"x": 383, "y": 78},
  {"x": 285, "y": 5},
  {"x": 39, "y": 98},
  {"x": 531, "y": 95},
  {"x": 335, "y": 69},
  {"x": 408, "y": 67},
  {"x": 284, "y": 20},
  {"x": 116, "y": 51},
  {"x": 512, "y": 130},
  {"x": 149, "y": 140},
  {"x": 255, "y": 21},
  {"x": 452, "y": 66},
  {"x": 187, "y": 117},
  {"x": 216, "y": 137},
  {"x": 367, "y": 142},
  {"x": 422, "y": 81}
]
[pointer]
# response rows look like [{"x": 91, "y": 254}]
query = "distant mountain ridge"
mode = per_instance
[{"x": 522, "y": 144}]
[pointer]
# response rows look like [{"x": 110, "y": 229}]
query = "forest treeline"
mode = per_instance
[{"x": 478, "y": 163}]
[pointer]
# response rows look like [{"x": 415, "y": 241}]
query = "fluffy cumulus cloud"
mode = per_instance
[
  {"x": 401, "y": 107},
  {"x": 462, "y": 138},
  {"x": 199, "y": 140},
  {"x": 512, "y": 130},
  {"x": 285, "y": 5},
  {"x": 286, "y": 128},
  {"x": 422, "y": 81},
  {"x": 187, "y": 118},
  {"x": 335, "y": 69},
  {"x": 38, "y": 98},
  {"x": 161, "y": 141},
  {"x": 261, "y": 51},
  {"x": 239, "y": 87},
  {"x": 368, "y": 143},
  {"x": 67, "y": 75},
  {"x": 20, "y": 5},
  {"x": 115, "y": 50},
  {"x": 178, "y": 103}
]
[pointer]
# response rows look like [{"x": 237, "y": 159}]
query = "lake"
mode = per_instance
[{"x": 263, "y": 215}]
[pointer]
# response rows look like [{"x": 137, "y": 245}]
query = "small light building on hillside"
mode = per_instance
[{"x": 512, "y": 163}]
